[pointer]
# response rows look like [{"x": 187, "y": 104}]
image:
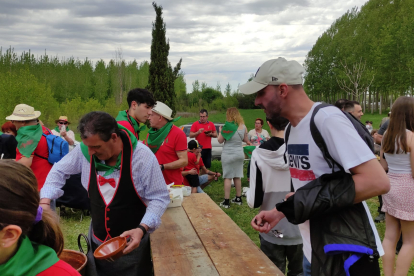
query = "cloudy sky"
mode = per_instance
[{"x": 219, "y": 41}]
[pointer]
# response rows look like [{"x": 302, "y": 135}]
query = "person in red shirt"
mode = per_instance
[
  {"x": 140, "y": 101},
  {"x": 192, "y": 170},
  {"x": 167, "y": 142},
  {"x": 32, "y": 150},
  {"x": 203, "y": 131},
  {"x": 30, "y": 237}
]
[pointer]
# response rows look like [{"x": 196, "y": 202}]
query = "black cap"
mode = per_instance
[{"x": 193, "y": 144}]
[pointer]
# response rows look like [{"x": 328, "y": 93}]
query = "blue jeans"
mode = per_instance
[
  {"x": 202, "y": 179},
  {"x": 306, "y": 267}
]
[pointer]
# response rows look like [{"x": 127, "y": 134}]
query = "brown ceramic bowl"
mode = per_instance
[
  {"x": 111, "y": 249},
  {"x": 75, "y": 259}
]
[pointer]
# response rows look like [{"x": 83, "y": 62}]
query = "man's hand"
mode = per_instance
[
  {"x": 135, "y": 236},
  {"x": 218, "y": 174},
  {"x": 266, "y": 220},
  {"x": 193, "y": 171},
  {"x": 289, "y": 195}
]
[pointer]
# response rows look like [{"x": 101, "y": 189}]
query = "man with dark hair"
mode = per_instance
[
  {"x": 269, "y": 184},
  {"x": 354, "y": 108},
  {"x": 140, "y": 102},
  {"x": 126, "y": 189},
  {"x": 341, "y": 104},
  {"x": 203, "y": 131},
  {"x": 338, "y": 237}
]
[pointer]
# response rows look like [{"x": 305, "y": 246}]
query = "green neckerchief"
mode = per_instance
[
  {"x": 228, "y": 130},
  {"x": 99, "y": 166},
  {"x": 1, "y": 133},
  {"x": 248, "y": 150},
  {"x": 155, "y": 138},
  {"x": 30, "y": 259},
  {"x": 57, "y": 129},
  {"x": 123, "y": 116},
  {"x": 27, "y": 138}
]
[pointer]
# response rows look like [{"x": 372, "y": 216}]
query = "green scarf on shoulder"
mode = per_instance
[
  {"x": 28, "y": 138},
  {"x": 30, "y": 259},
  {"x": 123, "y": 116},
  {"x": 228, "y": 130},
  {"x": 155, "y": 137},
  {"x": 57, "y": 129},
  {"x": 102, "y": 166}
]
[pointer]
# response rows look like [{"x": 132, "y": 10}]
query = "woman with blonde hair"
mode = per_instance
[
  {"x": 233, "y": 133},
  {"x": 30, "y": 237},
  {"x": 398, "y": 203}
]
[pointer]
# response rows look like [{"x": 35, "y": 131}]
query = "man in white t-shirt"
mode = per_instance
[{"x": 278, "y": 84}]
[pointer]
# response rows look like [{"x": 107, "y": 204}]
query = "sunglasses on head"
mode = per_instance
[{"x": 63, "y": 123}]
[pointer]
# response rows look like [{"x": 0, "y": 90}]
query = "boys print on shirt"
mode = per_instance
[{"x": 300, "y": 167}]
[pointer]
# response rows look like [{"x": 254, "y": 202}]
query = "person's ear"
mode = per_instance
[
  {"x": 271, "y": 127},
  {"x": 10, "y": 235},
  {"x": 114, "y": 137},
  {"x": 283, "y": 90}
]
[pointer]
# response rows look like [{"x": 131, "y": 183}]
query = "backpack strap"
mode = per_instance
[
  {"x": 287, "y": 133},
  {"x": 319, "y": 141}
]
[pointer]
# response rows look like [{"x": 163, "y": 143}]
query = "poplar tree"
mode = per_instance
[{"x": 161, "y": 75}]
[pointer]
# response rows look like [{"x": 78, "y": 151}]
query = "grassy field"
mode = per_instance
[{"x": 242, "y": 215}]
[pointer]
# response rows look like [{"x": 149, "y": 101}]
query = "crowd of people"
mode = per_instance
[{"x": 310, "y": 177}]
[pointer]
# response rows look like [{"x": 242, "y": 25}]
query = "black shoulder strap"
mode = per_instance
[
  {"x": 319, "y": 141},
  {"x": 287, "y": 133}
]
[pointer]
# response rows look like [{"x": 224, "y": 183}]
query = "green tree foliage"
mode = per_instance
[
  {"x": 161, "y": 75},
  {"x": 379, "y": 36}
]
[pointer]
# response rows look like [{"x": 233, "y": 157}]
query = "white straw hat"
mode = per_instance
[
  {"x": 163, "y": 110},
  {"x": 24, "y": 112}
]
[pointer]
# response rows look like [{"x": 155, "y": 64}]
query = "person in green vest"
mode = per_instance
[
  {"x": 30, "y": 237},
  {"x": 140, "y": 103}
]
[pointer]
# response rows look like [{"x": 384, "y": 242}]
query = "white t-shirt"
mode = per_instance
[
  {"x": 306, "y": 161},
  {"x": 258, "y": 138}
]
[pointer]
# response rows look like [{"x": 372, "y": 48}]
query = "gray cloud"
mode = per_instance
[{"x": 218, "y": 41}]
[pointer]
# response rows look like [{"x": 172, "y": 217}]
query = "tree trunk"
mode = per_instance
[{"x": 380, "y": 103}]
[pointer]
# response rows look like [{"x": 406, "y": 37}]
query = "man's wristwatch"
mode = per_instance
[
  {"x": 162, "y": 167},
  {"x": 143, "y": 229}
]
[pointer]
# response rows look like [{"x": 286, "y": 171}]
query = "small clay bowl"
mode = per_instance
[{"x": 111, "y": 249}]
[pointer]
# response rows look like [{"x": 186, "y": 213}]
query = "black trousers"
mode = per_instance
[
  {"x": 380, "y": 206},
  {"x": 206, "y": 156},
  {"x": 278, "y": 254}
]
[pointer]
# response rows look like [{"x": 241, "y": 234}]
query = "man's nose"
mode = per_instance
[{"x": 91, "y": 151}]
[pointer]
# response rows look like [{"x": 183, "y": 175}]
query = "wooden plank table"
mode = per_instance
[{"x": 200, "y": 239}]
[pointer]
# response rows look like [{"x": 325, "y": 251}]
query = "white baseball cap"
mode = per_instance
[{"x": 274, "y": 72}]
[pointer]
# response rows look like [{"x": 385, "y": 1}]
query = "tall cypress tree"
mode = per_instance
[{"x": 161, "y": 75}]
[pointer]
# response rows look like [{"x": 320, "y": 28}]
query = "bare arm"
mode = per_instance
[
  {"x": 410, "y": 139},
  {"x": 383, "y": 162},
  {"x": 378, "y": 138},
  {"x": 195, "y": 134},
  {"x": 246, "y": 137},
  {"x": 26, "y": 161},
  {"x": 370, "y": 180},
  {"x": 67, "y": 138},
  {"x": 181, "y": 162},
  {"x": 220, "y": 137}
]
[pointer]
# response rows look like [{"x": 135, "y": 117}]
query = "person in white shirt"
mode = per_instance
[
  {"x": 278, "y": 84},
  {"x": 258, "y": 135},
  {"x": 62, "y": 130}
]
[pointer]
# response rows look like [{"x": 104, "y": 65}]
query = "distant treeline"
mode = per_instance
[
  {"x": 379, "y": 39},
  {"x": 68, "y": 86},
  {"x": 58, "y": 86}
]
